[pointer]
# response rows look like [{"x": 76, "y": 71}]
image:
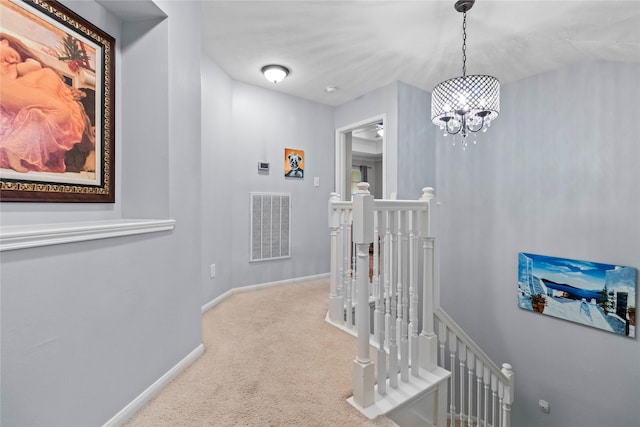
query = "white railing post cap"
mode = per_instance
[
  {"x": 363, "y": 187},
  {"x": 427, "y": 193},
  {"x": 334, "y": 213}
]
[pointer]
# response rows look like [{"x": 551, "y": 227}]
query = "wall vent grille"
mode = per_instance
[{"x": 270, "y": 226}]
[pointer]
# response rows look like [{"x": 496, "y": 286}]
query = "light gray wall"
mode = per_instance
[
  {"x": 557, "y": 174},
  {"x": 143, "y": 120},
  {"x": 416, "y": 147},
  {"x": 241, "y": 126},
  {"x": 86, "y": 327},
  {"x": 266, "y": 122},
  {"x": 217, "y": 180}
]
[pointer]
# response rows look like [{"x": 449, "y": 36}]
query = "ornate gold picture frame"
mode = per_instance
[{"x": 57, "y": 106}]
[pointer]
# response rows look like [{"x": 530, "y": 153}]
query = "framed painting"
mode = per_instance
[
  {"x": 599, "y": 295},
  {"x": 293, "y": 163},
  {"x": 57, "y": 106}
]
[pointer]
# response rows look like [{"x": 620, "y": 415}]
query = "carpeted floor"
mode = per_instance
[{"x": 270, "y": 360}]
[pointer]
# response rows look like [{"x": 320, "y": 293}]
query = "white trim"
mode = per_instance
[
  {"x": 31, "y": 236},
  {"x": 426, "y": 382},
  {"x": 342, "y": 327},
  {"x": 137, "y": 403},
  {"x": 208, "y": 306}
]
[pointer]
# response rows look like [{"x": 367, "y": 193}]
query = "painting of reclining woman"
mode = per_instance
[
  {"x": 42, "y": 117},
  {"x": 50, "y": 127}
]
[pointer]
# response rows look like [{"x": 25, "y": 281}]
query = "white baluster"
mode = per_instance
[
  {"x": 387, "y": 276},
  {"x": 494, "y": 392},
  {"x": 380, "y": 313},
  {"x": 442, "y": 336},
  {"x": 393, "y": 346},
  {"x": 354, "y": 277},
  {"x": 375, "y": 280},
  {"x": 336, "y": 313},
  {"x": 364, "y": 370},
  {"x": 452, "y": 368},
  {"x": 347, "y": 294},
  {"x": 462, "y": 355},
  {"x": 413, "y": 297},
  {"x": 404, "y": 301},
  {"x": 500, "y": 401},
  {"x": 479, "y": 372},
  {"x": 470, "y": 365},
  {"x": 487, "y": 382}
]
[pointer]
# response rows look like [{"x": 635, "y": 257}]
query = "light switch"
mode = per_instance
[{"x": 316, "y": 181}]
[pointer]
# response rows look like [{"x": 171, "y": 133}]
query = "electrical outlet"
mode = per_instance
[
  {"x": 543, "y": 405},
  {"x": 213, "y": 271}
]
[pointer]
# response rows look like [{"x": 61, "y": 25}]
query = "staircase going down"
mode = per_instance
[{"x": 382, "y": 291}]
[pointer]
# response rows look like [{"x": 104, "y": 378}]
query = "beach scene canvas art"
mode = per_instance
[{"x": 595, "y": 294}]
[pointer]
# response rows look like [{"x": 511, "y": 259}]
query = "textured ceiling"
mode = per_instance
[{"x": 359, "y": 46}]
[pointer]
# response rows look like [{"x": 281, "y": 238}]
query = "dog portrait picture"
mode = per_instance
[{"x": 293, "y": 163}]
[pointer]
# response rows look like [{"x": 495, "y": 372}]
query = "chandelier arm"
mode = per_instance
[
  {"x": 450, "y": 132},
  {"x": 479, "y": 128}
]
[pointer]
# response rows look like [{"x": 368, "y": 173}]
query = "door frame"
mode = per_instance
[{"x": 341, "y": 155}]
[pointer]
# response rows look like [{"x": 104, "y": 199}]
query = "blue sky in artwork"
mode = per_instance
[{"x": 582, "y": 274}]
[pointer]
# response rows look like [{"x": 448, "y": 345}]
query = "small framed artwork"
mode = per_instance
[
  {"x": 57, "y": 105},
  {"x": 293, "y": 163},
  {"x": 594, "y": 294}
]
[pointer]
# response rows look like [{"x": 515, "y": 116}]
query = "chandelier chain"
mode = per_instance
[{"x": 464, "y": 44}]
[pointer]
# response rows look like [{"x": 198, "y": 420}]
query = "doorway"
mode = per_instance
[{"x": 360, "y": 149}]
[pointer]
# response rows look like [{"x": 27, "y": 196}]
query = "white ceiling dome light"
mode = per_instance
[{"x": 275, "y": 73}]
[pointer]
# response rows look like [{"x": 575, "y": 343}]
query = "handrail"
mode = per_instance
[
  {"x": 469, "y": 343},
  {"x": 494, "y": 386},
  {"x": 387, "y": 204}
]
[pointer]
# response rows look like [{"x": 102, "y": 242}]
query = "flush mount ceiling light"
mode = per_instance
[
  {"x": 275, "y": 73},
  {"x": 468, "y": 103}
]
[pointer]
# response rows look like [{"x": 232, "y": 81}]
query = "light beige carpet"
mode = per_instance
[{"x": 270, "y": 360}]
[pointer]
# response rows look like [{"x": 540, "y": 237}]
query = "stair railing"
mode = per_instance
[
  {"x": 485, "y": 397},
  {"x": 399, "y": 233}
]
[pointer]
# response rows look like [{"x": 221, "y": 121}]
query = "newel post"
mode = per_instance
[
  {"x": 336, "y": 313},
  {"x": 507, "y": 401},
  {"x": 363, "y": 367},
  {"x": 428, "y": 338}
]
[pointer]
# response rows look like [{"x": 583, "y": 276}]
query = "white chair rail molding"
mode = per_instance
[{"x": 34, "y": 235}]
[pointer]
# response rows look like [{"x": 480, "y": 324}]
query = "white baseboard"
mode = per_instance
[
  {"x": 137, "y": 403},
  {"x": 208, "y": 306}
]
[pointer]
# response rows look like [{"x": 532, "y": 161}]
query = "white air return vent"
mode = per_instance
[{"x": 270, "y": 225}]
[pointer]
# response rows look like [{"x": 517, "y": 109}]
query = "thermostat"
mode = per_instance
[{"x": 263, "y": 166}]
